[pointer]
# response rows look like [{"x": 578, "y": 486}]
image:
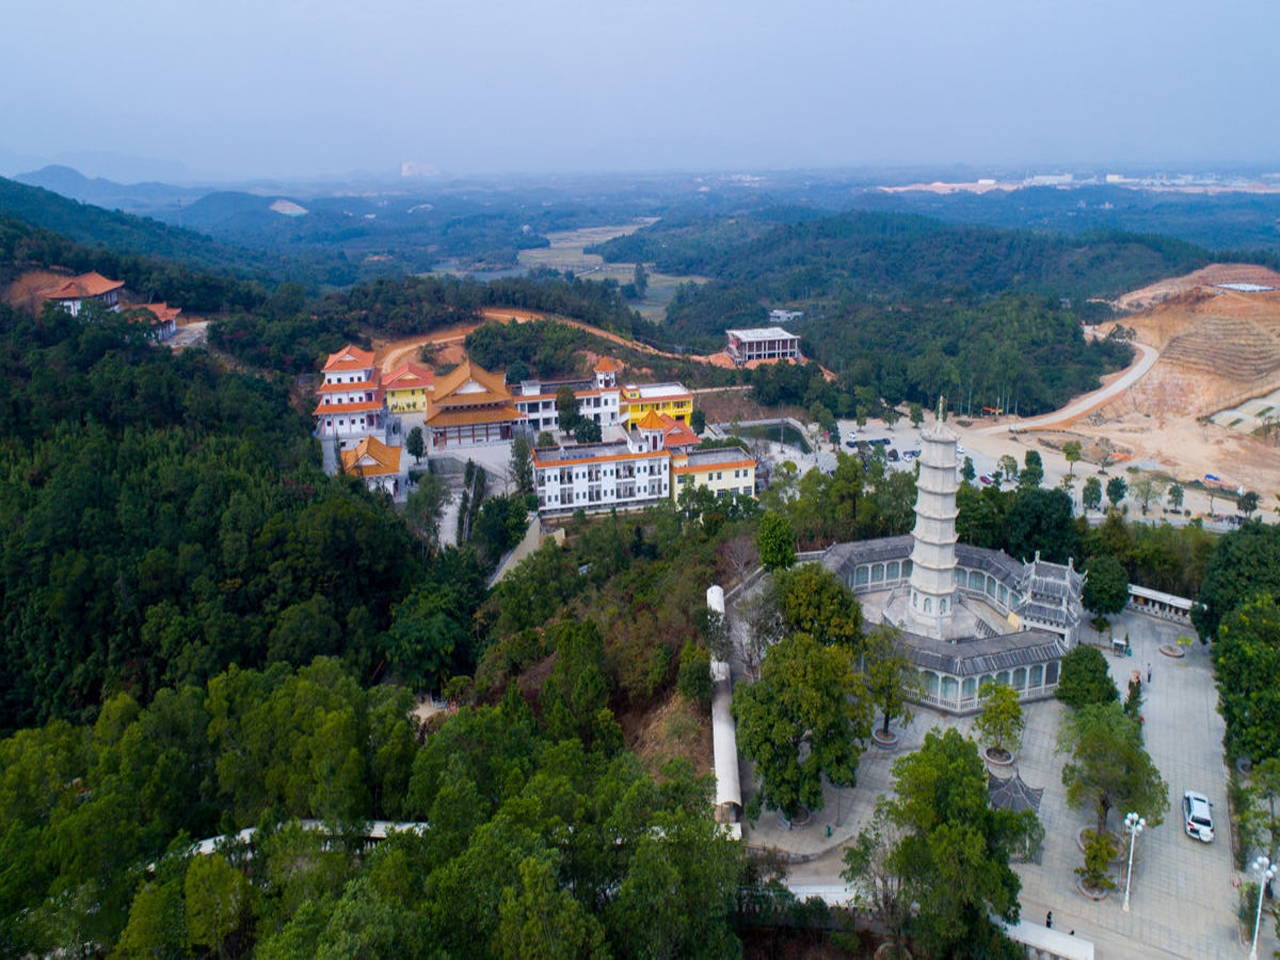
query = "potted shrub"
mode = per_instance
[
  {"x": 1001, "y": 721},
  {"x": 1095, "y": 879}
]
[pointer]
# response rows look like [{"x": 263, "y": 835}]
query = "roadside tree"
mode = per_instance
[
  {"x": 1032, "y": 474},
  {"x": 1247, "y": 503},
  {"x": 1176, "y": 494},
  {"x": 1091, "y": 495},
  {"x": 967, "y": 471},
  {"x": 1245, "y": 564},
  {"x": 1116, "y": 490},
  {"x": 1071, "y": 452},
  {"x": 1008, "y": 467},
  {"x": 805, "y": 718},
  {"x": 1146, "y": 488},
  {"x": 521, "y": 469},
  {"x": 916, "y": 415}
]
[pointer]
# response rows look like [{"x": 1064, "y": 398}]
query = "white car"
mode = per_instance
[{"x": 1197, "y": 816}]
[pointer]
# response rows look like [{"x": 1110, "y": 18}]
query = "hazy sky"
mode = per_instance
[{"x": 245, "y": 88}]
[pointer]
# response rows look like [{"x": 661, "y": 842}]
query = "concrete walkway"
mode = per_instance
[{"x": 1183, "y": 900}]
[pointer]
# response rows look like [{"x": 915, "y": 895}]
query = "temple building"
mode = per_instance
[
  {"x": 72, "y": 293},
  {"x": 470, "y": 406},
  {"x": 967, "y": 614},
  {"x": 376, "y": 463}
]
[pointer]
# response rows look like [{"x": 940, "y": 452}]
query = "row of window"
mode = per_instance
[
  {"x": 1022, "y": 679},
  {"x": 333, "y": 378},
  {"x": 975, "y": 581}
]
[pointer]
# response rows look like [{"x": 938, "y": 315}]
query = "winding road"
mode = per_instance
[{"x": 1084, "y": 405}]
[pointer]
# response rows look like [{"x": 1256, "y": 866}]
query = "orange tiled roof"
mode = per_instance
[
  {"x": 409, "y": 376},
  {"x": 161, "y": 311},
  {"x": 91, "y": 284},
  {"x": 608, "y": 365},
  {"x": 371, "y": 458},
  {"x": 349, "y": 387},
  {"x": 494, "y": 389},
  {"x": 651, "y": 421},
  {"x": 350, "y": 358},
  {"x": 460, "y": 417},
  {"x": 678, "y": 434},
  {"x": 364, "y": 406}
]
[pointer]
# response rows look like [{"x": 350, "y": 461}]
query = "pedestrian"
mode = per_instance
[
  {"x": 1048, "y": 920},
  {"x": 1148, "y": 673}
]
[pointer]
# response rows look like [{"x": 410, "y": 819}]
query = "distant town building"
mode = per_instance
[
  {"x": 785, "y": 316},
  {"x": 376, "y": 462},
  {"x": 762, "y": 343},
  {"x": 471, "y": 406},
  {"x": 71, "y": 294},
  {"x": 408, "y": 386},
  {"x": 352, "y": 401}
]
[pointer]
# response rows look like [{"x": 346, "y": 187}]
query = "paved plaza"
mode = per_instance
[{"x": 1183, "y": 900}]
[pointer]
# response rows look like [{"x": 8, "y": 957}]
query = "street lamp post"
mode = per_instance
[
  {"x": 1266, "y": 871},
  {"x": 1135, "y": 825}
]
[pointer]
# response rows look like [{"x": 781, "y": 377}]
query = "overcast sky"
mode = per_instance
[{"x": 230, "y": 89}]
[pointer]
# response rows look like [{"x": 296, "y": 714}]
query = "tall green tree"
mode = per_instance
[
  {"x": 955, "y": 850},
  {"x": 567, "y": 409},
  {"x": 1106, "y": 587},
  {"x": 1032, "y": 474},
  {"x": 815, "y": 601},
  {"x": 1000, "y": 719},
  {"x": 807, "y": 717},
  {"x": 1117, "y": 489},
  {"x": 1084, "y": 678},
  {"x": 1246, "y": 660},
  {"x": 1244, "y": 565},
  {"x": 1071, "y": 452},
  {"x": 1109, "y": 767},
  {"x": 415, "y": 444},
  {"x": 776, "y": 541},
  {"x": 891, "y": 677},
  {"x": 1040, "y": 522},
  {"x": 1091, "y": 495},
  {"x": 521, "y": 468}
]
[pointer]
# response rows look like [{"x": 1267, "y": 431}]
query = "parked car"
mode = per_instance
[
  {"x": 985, "y": 480},
  {"x": 893, "y": 455},
  {"x": 1197, "y": 816},
  {"x": 910, "y": 454},
  {"x": 851, "y": 444}
]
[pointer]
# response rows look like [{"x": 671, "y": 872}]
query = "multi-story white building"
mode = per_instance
[
  {"x": 596, "y": 477},
  {"x": 599, "y": 399},
  {"x": 352, "y": 404},
  {"x": 762, "y": 343},
  {"x": 725, "y": 470}
]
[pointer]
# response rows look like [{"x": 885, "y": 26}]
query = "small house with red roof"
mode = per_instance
[
  {"x": 376, "y": 462},
  {"x": 71, "y": 294},
  {"x": 352, "y": 403}
]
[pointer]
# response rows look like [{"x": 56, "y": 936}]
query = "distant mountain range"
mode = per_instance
[{"x": 147, "y": 199}]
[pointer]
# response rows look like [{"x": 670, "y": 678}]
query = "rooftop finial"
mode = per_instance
[{"x": 942, "y": 408}]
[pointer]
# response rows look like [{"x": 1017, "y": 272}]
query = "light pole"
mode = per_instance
[
  {"x": 1266, "y": 871},
  {"x": 1135, "y": 825}
]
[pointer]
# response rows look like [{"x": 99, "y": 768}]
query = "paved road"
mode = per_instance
[{"x": 1086, "y": 404}]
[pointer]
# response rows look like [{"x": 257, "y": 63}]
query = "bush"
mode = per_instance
[
  {"x": 1099, "y": 848},
  {"x": 1085, "y": 679},
  {"x": 694, "y": 681}
]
